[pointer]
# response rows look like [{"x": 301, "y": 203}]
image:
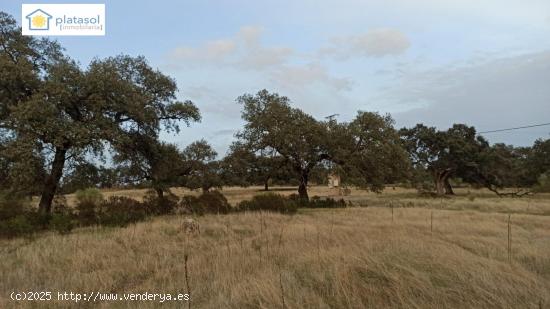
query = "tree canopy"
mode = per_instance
[
  {"x": 63, "y": 112},
  {"x": 366, "y": 147}
]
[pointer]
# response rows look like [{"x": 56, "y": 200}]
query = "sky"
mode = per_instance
[{"x": 438, "y": 62}]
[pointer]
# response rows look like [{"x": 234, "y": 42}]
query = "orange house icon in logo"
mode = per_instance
[{"x": 39, "y": 20}]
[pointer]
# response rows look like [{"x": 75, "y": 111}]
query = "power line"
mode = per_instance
[{"x": 516, "y": 128}]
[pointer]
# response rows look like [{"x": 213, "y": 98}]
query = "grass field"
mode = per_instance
[{"x": 398, "y": 251}]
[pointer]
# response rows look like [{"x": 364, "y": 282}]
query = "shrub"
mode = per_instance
[
  {"x": 11, "y": 206},
  {"x": 208, "y": 202},
  {"x": 121, "y": 210},
  {"x": 88, "y": 201},
  {"x": 15, "y": 217},
  {"x": 190, "y": 204},
  {"x": 270, "y": 202},
  {"x": 317, "y": 202},
  {"x": 214, "y": 202},
  {"x": 543, "y": 185},
  {"x": 159, "y": 205},
  {"x": 87, "y": 212},
  {"x": 90, "y": 195},
  {"x": 16, "y": 226},
  {"x": 294, "y": 197},
  {"x": 62, "y": 223}
]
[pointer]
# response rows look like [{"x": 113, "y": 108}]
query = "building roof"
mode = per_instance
[{"x": 38, "y": 11}]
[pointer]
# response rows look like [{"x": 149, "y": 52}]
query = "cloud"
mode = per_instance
[
  {"x": 254, "y": 55},
  {"x": 251, "y": 35},
  {"x": 244, "y": 50},
  {"x": 261, "y": 58},
  {"x": 299, "y": 76},
  {"x": 212, "y": 51},
  {"x": 374, "y": 43},
  {"x": 497, "y": 94}
]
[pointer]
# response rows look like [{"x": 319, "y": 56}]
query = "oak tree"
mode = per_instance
[{"x": 64, "y": 111}]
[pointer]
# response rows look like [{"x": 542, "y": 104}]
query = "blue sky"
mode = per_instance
[{"x": 484, "y": 63}]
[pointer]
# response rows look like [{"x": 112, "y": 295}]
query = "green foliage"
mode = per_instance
[
  {"x": 203, "y": 169},
  {"x": 538, "y": 160},
  {"x": 272, "y": 124},
  {"x": 87, "y": 213},
  {"x": 245, "y": 167},
  {"x": 156, "y": 205},
  {"x": 62, "y": 223},
  {"x": 60, "y": 110},
  {"x": 269, "y": 202},
  {"x": 11, "y": 206},
  {"x": 144, "y": 158},
  {"x": 121, "y": 211},
  {"x": 189, "y": 204},
  {"x": 543, "y": 185},
  {"x": 367, "y": 150},
  {"x": 88, "y": 201},
  {"x": 460, "y": 153},
  {"x": 90, "y": 195},
  {"x": 87, "y": 175},
  {"x": 16, "y": 218},
  {"x": 18, "y": 225},
  {"x": 212, "y": 202},
  {"x": 317, "y": 202}
]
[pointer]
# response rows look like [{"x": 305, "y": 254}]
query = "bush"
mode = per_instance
[
  {"x": 543, "y": 185},
  {"x": 270, "y": 202},
  {"x": 214, "y": 202},
  {"x": 208, "y": 202},
  {"x": 317, "y": 202},
  {"x": 189, "y": 204},
  {"x": 90, "y": 195},
  {"x": 88, "y": 201},
  {"x": 62, "y": 223},
  {"x": 87, "y": 213},
  {"x": 121, "y": 210},
  {"x": 15, "y": 217},
  {"x": 16, "y": 226},
  {"x": 61, "y": 212},
  {"x": 159, "y": 205},
  {"x": 11, "y": 206}
]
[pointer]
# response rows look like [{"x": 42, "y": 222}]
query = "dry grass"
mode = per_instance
[
  {"x": 345, "y": 258},
  {"x": 480, "y": 200}
]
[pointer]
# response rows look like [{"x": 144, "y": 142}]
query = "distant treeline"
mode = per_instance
[{"x": 59, "y": 122}]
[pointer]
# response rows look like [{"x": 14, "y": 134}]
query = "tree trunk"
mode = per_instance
[
  {"x": 52, "y": 181},
  {"x": 266, "y": 183},
  {"x": 439, "y": 186},
  {"x": 302, "y": 189},
  {"x": 448, "y": 187},
  {"x": 160, "y": 193},
  {"x": 441, "y": 180}
]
